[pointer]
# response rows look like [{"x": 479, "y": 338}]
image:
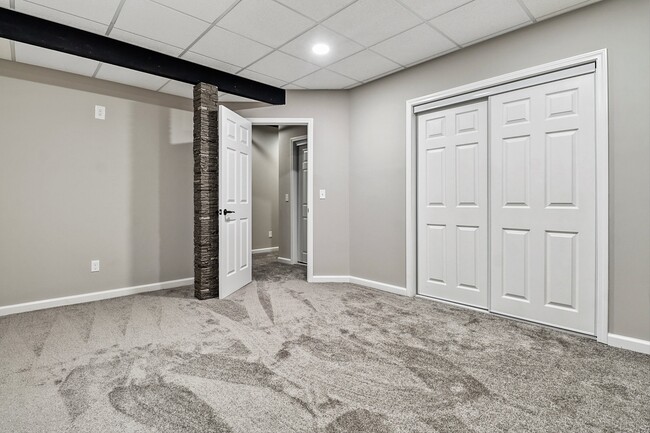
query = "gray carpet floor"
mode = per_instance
[{"x": 282, "y": 355}]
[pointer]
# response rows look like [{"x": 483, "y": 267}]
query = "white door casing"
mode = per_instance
[
  {"x": 235, "y": 192},
  {"x": 453, "y": 204},
  {"x": 543, "y": 204},
  {"x": 303, "y": 208}
]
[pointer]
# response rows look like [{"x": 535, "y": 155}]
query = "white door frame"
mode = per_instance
[
  {"x": 602, "y": 170},
  {"x": 293, "y": 204},
  {"x": 309, "y": 123}
]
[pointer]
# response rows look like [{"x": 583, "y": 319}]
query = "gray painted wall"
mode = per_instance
[
  {"x": 74, "y": 189},
  {"x": 286, "y": 134},
  {"x": 265, "y": 186},
  {"x": 330, "y": 111},
  {"x": 377, "y": 153}
]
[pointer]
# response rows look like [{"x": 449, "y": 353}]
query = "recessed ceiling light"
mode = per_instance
[{"x": 321, "y": 49}]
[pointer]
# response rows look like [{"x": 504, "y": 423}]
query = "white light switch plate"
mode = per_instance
[
  {"x": 270, "y": 234},
  {"x": 286, "y": 197},
  {"x": 322, "y": 194},
  {"x": 94, "y": 266},
  {"x": 100, "y": 112}
]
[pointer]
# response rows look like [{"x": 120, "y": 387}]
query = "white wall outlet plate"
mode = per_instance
[
  {"x": 100, "y": 112},
  {"x": 322, "y": 194},
  {"x": 286, "y": 197},
  {"x": 270, "y": 234},
  {"x": 94, "y": 266}
]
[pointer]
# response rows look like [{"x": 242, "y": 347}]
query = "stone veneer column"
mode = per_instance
[{"x": 206, "y": 192}]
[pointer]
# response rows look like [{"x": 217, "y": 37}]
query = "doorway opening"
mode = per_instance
[{"x": 282, "y": 179}]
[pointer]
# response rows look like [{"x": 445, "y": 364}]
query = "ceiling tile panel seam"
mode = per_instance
[
  {"x": 62, "y": 12},
  {"x": 151, "y": 39},
  {"x": 116, "y": 15},
  {"x": 99, "y": 66},
  {"x": 219, "y": 18},
  {"x": 211, "y": 26},
  {"x": 495, "y": 34},
  {"x": 525, "y": 8},
  {"x": 426, "y": 59},
  {"x": 567, "y": 9},
  {"x": 428, "y": 21},
  {"x": 181, "y": 12},
  {"x": 383, "y": 74},
  {"x": 436, "y": 16},
  {"x": 370, "y": 48},
  {"x": 430, "y": 24},
  {"x": 160, "y": 88},
  {"x": 317, "y": 23},
  {"x": 366, "y": 47},
  {"x": 276, "y": 78}
]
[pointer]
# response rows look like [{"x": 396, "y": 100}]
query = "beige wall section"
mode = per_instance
[
  {"x": 265, "y": 186},
  {"x": 330, "y": 111},
  {"x": 286, "y": 134},
  {"x": 74, "y": 189},
  {"x": 377, "y": 156}
]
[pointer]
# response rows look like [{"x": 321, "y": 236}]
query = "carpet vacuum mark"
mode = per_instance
[{"x": 282, "y": 355}]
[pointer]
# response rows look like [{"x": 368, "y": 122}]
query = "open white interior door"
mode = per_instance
[{"x": 235, "y": 205}]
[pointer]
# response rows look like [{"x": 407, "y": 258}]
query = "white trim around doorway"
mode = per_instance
[
  {"x": 309, "y": 123},
  {"x": 602, "y": 165}
]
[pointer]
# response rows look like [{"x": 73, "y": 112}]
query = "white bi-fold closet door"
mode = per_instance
[{"x": 537, "y": 234}]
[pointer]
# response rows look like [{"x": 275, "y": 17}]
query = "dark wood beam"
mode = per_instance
[{"x": 54, "y": 36}]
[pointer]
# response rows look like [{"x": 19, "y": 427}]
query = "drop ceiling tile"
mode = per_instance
[
  {"x": 154, "y": 21},
  {"x": 480, "y": 19},
  {"x": 206, "y": 10},
  {"x": 283, "y": 67},
  {"x": 370, "y": 21},
  {"x": 4, "y": 4},
  {"x": 210, "y": 62},
  {"x": 316, "y": 9},
  {"x": 141, "y": 41},
  {"x": 429, "y": 9},
  {"x": 364, "y": 66},
  {"x": 340, "y": 47},
  {"x": 542, "y": 8},
  {"x": 230, "y": 47},
  {"x": 38, "y": 56},
  {"x": 60, "y": 17},
  {"x": 179, "y": 89},
  {"x": 5, "y": 49},
  {"x": 130, "y": 77},
  {"x": 101, "y": 11},
  {"x": 414, "y": 45},
  {"x": 247, "y": 73},
  {"x": 324, "y": 79},
  {"x": 265, "y": 21}
]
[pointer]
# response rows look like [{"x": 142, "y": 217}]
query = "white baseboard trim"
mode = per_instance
[
  {"x": 330, "y": 279},
  {"x": 94, "y": 296},
  {"x": 360, "y": 281},
  {"x": 265, "y": 250},
  {"x": 379, "y": 286},
  {"x": 284, "y": 260},
  {"x": 629, "y": 343}
]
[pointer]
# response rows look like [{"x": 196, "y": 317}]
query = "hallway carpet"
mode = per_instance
[{"x": 282, "y": 355}]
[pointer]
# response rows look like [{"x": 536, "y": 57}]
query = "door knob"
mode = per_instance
[{"x": 226, "y": 211}]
